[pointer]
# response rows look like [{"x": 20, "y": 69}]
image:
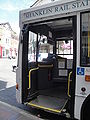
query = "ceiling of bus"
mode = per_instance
[
  {"x": 64, "y": 23},
  {"x": 61, "y": 28},
  {"x": 58, "y": 24}
]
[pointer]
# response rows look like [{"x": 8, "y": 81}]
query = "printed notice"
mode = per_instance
[
  {"x": 63, "y": 72},
  {"x": 69, "y": 64},
  {"x": 61, "y": 63}
]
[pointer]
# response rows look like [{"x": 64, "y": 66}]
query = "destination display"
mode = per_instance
[{"x": 57, "y": 9}]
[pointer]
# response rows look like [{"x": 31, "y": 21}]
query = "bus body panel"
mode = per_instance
[
  {"x": 19, "y": 74},
  {"x": 78, "y": 104},
  {"x": 80, "y": 83},
  {"x": 80, "y": 96},
  {"x": 19, "y": 90}
]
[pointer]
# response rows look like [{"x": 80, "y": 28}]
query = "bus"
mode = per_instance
[{"x": 60, "y": 82}]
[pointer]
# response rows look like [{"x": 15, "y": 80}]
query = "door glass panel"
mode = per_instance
[
  {"x": 44, "y": 48},
  {"x": 85, "y": 39},
  {"x": 32, "y": 47}
]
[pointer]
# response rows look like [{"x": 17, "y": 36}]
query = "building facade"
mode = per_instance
[{"x": 8, "y": 41}]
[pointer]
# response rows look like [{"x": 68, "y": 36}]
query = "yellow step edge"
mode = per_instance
[
  {"x": 53, "y": 110},
  {"x": 45, "y": 108}
]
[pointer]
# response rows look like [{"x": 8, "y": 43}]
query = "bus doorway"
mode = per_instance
[{"x": 51, "y": 67}]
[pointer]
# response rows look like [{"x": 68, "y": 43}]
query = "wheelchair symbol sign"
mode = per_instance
[{"x": 80, "y": 71}]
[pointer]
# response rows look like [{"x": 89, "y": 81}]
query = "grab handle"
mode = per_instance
[
  {"x": 69, "y": 84},
  {"x": 30, "y": 71}
]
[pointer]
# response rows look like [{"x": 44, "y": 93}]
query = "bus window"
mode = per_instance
[
  {"x": 65, "y": 49},
  {"x": 85, "y": 39}
]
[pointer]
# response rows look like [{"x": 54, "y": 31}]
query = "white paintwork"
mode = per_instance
[
  {"x": 19, "y": 73},
  {"x": 78, "y": 104}
]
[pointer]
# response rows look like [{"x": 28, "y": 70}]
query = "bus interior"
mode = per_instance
[{"x": 48, "y": 84}]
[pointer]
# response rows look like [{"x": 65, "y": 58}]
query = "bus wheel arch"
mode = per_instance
[{"x": 85, "y": 115}]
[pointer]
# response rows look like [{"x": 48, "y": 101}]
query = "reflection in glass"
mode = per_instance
[{"x": 85, "y": 39}]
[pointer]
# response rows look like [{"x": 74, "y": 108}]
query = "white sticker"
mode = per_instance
[
  {"x": 61, "y": 63},
  {"x": 69, "y": 64},
  {"x": 63, "y": 72},
  {"x": 87, "y": 71}
]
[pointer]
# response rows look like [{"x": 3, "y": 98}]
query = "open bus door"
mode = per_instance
[
  {"x": 47, "y": 84},
  {"x": 38, "y": 67}
]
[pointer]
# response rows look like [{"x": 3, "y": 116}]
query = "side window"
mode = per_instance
[
  {"x": 65, "y": 49},
  {"x": 85, "y": 39}
]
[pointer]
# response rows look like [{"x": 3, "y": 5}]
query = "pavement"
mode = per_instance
[
  {"x": 10, "y": 109},
  {"x": 8, "y": 112}
]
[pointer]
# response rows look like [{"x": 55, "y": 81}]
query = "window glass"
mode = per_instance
[
  {"x": 32, "y": 47},
  {"x": 65, "y": 49},
  {"x": 44, "y": 48},
  {"x": 85, "y": 39}
]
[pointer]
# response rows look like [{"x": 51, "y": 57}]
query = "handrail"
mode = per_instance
[
  {"x": 69, "y": 84},
  {"x": 31, "y": 70},
  {"x": 45, "y": 65}
]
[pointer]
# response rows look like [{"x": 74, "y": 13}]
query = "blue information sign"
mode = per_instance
[{"x": 80, "y": 71}]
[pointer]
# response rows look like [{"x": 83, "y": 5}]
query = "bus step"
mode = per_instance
[{"x": 47, "y": 103}]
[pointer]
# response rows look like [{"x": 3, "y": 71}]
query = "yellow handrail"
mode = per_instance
[
  {"x": 69, "y": 84},
  {"x": 33, "y": 69}
]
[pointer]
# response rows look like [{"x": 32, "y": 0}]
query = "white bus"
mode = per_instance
[{"x": 60, "y": 83}]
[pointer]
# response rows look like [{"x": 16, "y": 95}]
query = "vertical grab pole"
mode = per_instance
[
  {"x": 37, "y": 49},
  {"x": 69, "y": 84}
]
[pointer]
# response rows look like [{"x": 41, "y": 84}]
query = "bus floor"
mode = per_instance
[{"x": 53, "y": 99}]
